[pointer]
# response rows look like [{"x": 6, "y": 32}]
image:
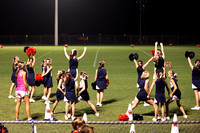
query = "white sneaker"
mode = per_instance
[
  {"x": 132, "y": 102},
  {"x": 66, "y": 118},
  {"x": 100, "y": 105},
  {"x": 69, "y": 116},
  {"x": 168, "y": 118},
  {"x": 163, "y": 119},
  {"x": 195, "y": 108},
  {"x": 159, "y": 117},
  {"x": 97, "y": 103},
  {"x": 154, "y": 119},
  {"x": 47, "y": 102},
  {"x": 10, "y": 97},
  {"x": 31, "y": 100},
  {"x": 44, "y": 97},
  {"x": 73, "y": 118},
  {"x": 146, "y": 104},
  {"x": 97, "y": 114},
  {"x": 185, "y": 116}
]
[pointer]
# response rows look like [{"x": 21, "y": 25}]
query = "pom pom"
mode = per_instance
[
  {"x": 107, "y": 82},
  {"x": 123, "y": 117},
  {"x": 39, "y": 78},
  {"x": 30, "y": 51},
  {"x": 152, "y": 52},
  {"x": 25, "y": 48},
  {"x": 133, "y": 56},
  {"x": 190, "y": 54},
  {"x": 93, "y": 85}
]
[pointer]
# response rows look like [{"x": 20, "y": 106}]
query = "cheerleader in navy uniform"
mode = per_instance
[
  {"x": 31, "y": 77},
  {"x": 195, "y": 81},
  {"x": 175, "y": 95},
  {"x": 70, "y": 96},
  {"x": 159, "y": 58},
  {"x": 83, "y": 94},
  {"x": 144, "y": 91},
  {"x": 48, "y": 84},
  {"x": 44, "y": 70},
  {"x": 73, "y": 61},
  {"x": 140, "y": 69},
  {"x": 60, "y": 88},
  {"x": 101, "y": 77},
  {"x": 14, "y": 69},
  {"x": 160, "y": 82}
]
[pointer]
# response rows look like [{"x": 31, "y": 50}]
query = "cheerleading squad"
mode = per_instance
[{"x": 67, "y": 83}]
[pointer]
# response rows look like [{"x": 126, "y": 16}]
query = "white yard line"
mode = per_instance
[
  {"x": 43, "y": 55},
  {"x": 146, "y": 53},
  {"x": 95, "y": 60}
]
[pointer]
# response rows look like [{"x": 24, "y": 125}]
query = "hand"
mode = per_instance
[
  {"x": 156, "y": 43},
  {"x": 161, "y": 44},
  {"x": 66, "y": 46},
  {"x": 85, "y": 48},
  {"x": 63, "y": 93},
  {"x": 170, "y": 95},
  {"x": 42, "y": 75}
]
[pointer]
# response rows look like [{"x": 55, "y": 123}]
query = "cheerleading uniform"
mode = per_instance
[
  {"x": 195, "y": 79},
  {"x": 45, "y": 77},
  {"x": 13, "y": 79},
  {"x": 49, "y": 83},
  {"x": 73, "y": 65},
  {"x": 70, "y": 91},
  {"x": 139, "y": 71},
  {"x": 84, "y": 96},
  {"x": 160, "y": 92},
  {"x": 101, "y": 80},
  {"x": 159, "y": 66},
  {"x": 142, "y": 94},
  {"x": 31, "y": 76},
  {"x": 21, "y": 90},
  {"x": 177, "y": 93},
  {"x": 59, "y": 94}
]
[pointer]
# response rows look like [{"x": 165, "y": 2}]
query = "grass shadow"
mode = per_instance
[{"x": 109, "y": 101}]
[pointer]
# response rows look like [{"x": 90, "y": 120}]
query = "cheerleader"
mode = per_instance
[
  {"x": 44, "y": 69},
  {"x": 195, "y": 81},
  {"x": 77, "y": 123},
  {"x": 14, "y": 69},
  {"x": 140, "y": 69},
  {"x": 70, "y": 96},
  {"x": 73, "y": 61},
  {"x": 31, "y": 77},
  {"x": 175, "y": 95},
  {"x": 160, "y": 82},
  {"x": 101, "y": 77},
  {"x": 48, "y": 84},
  {"x": 60, "y": 88},
  {"x": 159, "y": 57},
  {"x": 21, "y": 91},
  {"x": 144, "y": 91},
  {"x": 83, "y": 93}
]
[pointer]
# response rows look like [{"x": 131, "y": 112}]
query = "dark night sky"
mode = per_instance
[{"x": 169, "y": 17}]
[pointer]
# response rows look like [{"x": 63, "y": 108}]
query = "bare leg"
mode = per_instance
[
  {"x": 17, "y": 108},
  {"x": 98, "y": 95},
  {"x": 44, "y": 91},
  {"x": 163, "y": 110},
  {"x": 92, "y": 106},
  {"x": 196, "y": 97},
  {"x": 32, "y": 91},
  {"x": 73, "y": 109},
  {"x": 154, "y": 106},
  {"x": 167, "y": 106},
  {"x": 135, "y": 104},
  {"x": 54, "y": 105},
  {"x": 66, "y": 108},
  {"x": 181, "y": 107},
  {"x": 11, "y": 88},
  {"x": 26, "y": 100},
  {"x": 49, "y": 93},
  {"x": 156, "y": 110},
  {"x": 29, "y": 90},
  {"x": 101, "y": 96}
]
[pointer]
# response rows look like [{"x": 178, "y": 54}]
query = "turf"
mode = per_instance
[{"x": 122, "y": 76}]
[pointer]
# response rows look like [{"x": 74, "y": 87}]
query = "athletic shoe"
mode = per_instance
[
  {"x": 31, "y": 119},
  {"x": 17, "y": 120},
  {"x": 47, "y": 102},
  {"x": 73, "y": 118},
  {"x": 66, "y": 118},
  {"x": 185, "y": 116},
  {"x": 146, "y": 104},
  {"x": 168, "y": 118},
  {"x": 97, "y": 103},
  {"x": 100, "y": 105},
  {"x": 31, "y": 100},
  {"x": 159, "y": 117},
  {"x": 97, "y": 114},
  {"x": 154, "y": 119},
  {"x": 195, "y": 108},
  {"x": 10, "y": 97},
  {"x": 69, "y": 116},
  {"x": 163, "y": 119},
  {"x": 44, "y": 97}
]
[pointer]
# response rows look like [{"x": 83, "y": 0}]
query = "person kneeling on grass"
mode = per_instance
[
  {"x": 83, "y": 93},
  {"x": 143, "y": 93},
  {"x": 175, "y": 95},
  {"x": 21, "y": 91}
]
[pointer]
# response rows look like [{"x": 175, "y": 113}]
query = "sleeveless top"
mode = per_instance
[
  {"x": 20, "y": 82},
  {"x": 177, "y": 92},
  {"x": 101, "y": 74},
  {"x": 73, "y": 63},
  {"x": 70, "y": 86}
]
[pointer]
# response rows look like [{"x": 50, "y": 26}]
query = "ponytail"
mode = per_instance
[
  {"x": 68, "y": 78},
  {"x": 101, "y": 64},
  {"x": 72, "y": 53}
]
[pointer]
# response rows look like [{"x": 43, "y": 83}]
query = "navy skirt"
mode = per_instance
[
  {"x": 101, "y": 84},
  {"x": 70, "y": 96},
  {"x": 160, "y": 98},
  {"x": 31, "y": 79},
  {"x": 73, "y": 72},
  {"x": 142, "y": 95},
  {"x": 59, "y": 95}
]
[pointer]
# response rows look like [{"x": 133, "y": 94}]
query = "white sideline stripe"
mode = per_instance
[
  {"x": 95, "y": 60},
  {"x": 43, "y": 55},
  {"x": 146, "y": 53}
]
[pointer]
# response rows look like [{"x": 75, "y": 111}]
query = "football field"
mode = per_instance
[{"x": 122, "y": 76}]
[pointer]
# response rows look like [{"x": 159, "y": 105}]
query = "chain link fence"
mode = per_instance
[
  {"x": 101, "y": 127},
  {"x": 97, "y": 39}
]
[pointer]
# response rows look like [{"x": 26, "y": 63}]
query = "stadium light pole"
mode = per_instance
[{"x": 56, "y": 24}]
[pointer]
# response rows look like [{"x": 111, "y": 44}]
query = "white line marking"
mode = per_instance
[
  {"x": 43, "y": 55},
  {"x": 95, "y": 60},
  {"x": 146, "y": 53}
]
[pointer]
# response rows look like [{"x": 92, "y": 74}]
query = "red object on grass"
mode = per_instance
[
  {"x": 123, "y": 117},
  {"x": 39, "y": 78},
  {"x": 30, "y": 51},
  {"x": 152, "y": 52}
]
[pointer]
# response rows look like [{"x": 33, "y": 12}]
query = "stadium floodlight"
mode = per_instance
[{"x": 56, "y": 24}]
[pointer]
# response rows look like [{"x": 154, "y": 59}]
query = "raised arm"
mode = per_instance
[
  {"x": 65, "y": 50},
  {"x": 136, "y": 64},
  {"x": 190, "y": 63},
  {"x": 80, "y": 57},
  {"x": 156, "y": 44},
  {"x": 145, "y": 65},
  {"x": 162, "y": 50},
  {"x": 33, "y": 64}
]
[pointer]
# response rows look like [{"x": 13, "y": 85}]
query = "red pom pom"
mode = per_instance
[
  {"x": 152, "y": 52},
  {"x": 107, "y": 82},
  {"x": 39, "y": 78},
  {"x": 30, "y": 51},
  {"x": 123, "y": 117}
]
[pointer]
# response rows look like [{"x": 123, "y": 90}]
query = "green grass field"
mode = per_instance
[{"x": 122, "y": 76}]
